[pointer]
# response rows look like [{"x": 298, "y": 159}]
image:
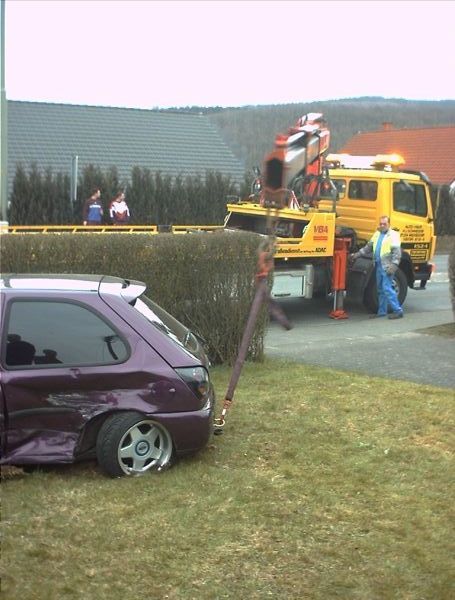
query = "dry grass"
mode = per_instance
[
  {"x": 325, "y": 485},
  {"x": 447, "y": 330}
]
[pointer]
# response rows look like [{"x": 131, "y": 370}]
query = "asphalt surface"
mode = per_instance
[{"x": 395, "y": 349}]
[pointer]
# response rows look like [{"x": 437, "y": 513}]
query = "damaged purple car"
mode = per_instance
[{"x": 91, "y": 367}]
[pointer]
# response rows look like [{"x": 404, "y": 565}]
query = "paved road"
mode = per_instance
[{"x": 393, "y": 349}]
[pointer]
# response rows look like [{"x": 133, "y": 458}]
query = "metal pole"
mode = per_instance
[
  {"x": 3, "y": 124},
  {"x": 74, "y": 168}
]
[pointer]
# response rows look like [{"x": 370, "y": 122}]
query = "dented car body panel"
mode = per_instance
[{"x": 53, "y": 405}]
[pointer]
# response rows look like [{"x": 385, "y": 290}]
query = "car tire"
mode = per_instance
[
  {"x": 370, "y": 298},
  {"x": 131, "y": 444}
]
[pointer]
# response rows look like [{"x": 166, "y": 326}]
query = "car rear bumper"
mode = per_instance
[{"x": 190, "y": 431}]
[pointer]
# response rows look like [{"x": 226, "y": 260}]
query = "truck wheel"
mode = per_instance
[
  {"x": 131, "y": 444},
  {"x": 370, "y": 297}
]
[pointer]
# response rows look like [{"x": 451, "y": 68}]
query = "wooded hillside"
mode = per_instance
[{"x": 250, "y": 131}]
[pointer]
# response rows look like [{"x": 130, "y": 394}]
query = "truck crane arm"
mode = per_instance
[{"x": 293, "y": 172}]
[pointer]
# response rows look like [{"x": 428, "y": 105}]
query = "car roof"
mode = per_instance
[{"x": 102, "y": 284}]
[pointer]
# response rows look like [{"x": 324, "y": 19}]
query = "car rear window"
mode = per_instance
[{"x": 166, "y": 323}]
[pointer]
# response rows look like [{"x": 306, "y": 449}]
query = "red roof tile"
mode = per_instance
[{"x": 429, "y": 149}]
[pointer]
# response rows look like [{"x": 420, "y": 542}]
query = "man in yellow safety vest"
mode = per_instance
[{"x": 385, "y": 247}]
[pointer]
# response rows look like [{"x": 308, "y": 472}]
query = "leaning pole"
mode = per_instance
[{"x": 3, "y": 126}]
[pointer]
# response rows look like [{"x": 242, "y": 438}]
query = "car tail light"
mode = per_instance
[{"x": 197, "y": 379}]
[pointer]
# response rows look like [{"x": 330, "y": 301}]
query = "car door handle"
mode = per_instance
[{"x": 75, "y": 373}]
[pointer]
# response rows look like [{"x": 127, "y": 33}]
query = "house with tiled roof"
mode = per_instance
[
  {"x": 173, "y": 143},
  {"x": 427, "y": 149}
]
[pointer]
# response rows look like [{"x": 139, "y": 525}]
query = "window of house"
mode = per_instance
[
  {"x": 363, "y": 189},
  {"x": 60, "y": 333},
  {"x": 409, "y": 198}
]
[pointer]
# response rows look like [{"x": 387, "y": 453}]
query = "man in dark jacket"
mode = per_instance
[{"x": 93, "y": 209}]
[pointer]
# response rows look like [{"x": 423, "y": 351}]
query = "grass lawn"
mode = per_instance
[{"x": 324, "y": 485}]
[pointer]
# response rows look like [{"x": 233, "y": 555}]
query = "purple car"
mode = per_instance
[{"x": 89, "y": 366}]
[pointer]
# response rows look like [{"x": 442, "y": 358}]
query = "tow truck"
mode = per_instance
[{"x": 314, "y": 204}]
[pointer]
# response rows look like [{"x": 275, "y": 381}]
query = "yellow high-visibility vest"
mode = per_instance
[{"x": 391, "y": 240}]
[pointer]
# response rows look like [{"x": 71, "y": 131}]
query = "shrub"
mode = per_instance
[
  {"x": 153, "y": 198},
  {"x": 444, "y": 210},
  {"x": 206, "y": 280}
]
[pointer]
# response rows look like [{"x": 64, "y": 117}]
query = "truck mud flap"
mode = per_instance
[{"x": 357, "y": 279}]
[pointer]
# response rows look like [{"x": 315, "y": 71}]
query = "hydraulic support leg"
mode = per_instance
[{"x": 340, "y": 263}]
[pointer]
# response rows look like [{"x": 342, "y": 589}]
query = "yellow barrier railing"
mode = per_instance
[
  {"x": 111, "y": 228},
  {"x": 82, "y": 229},
  {"x": 192, "y": 228}
]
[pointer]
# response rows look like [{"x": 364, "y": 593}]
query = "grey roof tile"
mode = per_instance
[{"x": 51, "y": 134}]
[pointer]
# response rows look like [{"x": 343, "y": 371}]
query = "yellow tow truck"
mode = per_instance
[{"x": 308, "y": 200}]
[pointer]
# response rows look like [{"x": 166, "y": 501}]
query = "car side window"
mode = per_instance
[
  {"x": 409, "y": 198},
  {"x": 43, "y": 333},
  {"x": 363, "y": 190}
]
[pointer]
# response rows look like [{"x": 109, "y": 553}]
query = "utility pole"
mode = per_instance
[
  {"x": 3, "y": 123},
  {"x": 73, "y": 181}
]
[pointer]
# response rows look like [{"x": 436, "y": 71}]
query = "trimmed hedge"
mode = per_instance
[
  {"x": 153, "y": 198},
  {"x": 206, "y": 280}
]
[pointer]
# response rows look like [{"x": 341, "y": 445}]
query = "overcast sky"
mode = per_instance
[{"x": 148, "y": 54}]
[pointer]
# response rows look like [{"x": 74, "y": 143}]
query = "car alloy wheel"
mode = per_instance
[{"x": 128, "y": 444}]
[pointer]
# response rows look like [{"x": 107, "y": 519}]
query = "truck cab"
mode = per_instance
[{"x": 372, "y": 186}]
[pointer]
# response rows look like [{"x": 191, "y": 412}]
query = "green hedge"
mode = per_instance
[
  {"x": 39, "y": 198},
  {"x": 206, "y": 280}
]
